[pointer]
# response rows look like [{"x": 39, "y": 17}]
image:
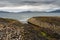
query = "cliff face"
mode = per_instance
[{"x": 52, "y": 23}]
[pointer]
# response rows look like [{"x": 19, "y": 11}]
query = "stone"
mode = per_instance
[
  {"x": 11, "y": 29},
  {"x": 52, "y": 23},
  {"x": 33, "y": 32}
]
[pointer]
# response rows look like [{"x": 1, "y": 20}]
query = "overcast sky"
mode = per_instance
[
  {"x": 27, "y": 2},
  {"x": 15, "y": 5}
]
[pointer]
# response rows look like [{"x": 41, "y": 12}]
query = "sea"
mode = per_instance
[{"x": 23, "y": 17}]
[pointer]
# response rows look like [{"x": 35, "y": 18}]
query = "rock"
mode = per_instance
[
  {"x": 33, "y": 32},
  {"x": 52, "y": 23},
  {"x": 11, "y": 29}
]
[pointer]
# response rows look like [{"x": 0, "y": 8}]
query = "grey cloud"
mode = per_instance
[
  {"x": 27, "y": 2},
  {"x": 57, "y": 2},
  {"x": 5, "y": 3}
]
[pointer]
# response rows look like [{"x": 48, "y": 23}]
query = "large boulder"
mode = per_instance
[
  {"x": 52, "y": 23},
  {"x": 11, "y": 29}
]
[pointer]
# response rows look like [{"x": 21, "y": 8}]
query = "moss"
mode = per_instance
[{"x": 43, "y": 34}]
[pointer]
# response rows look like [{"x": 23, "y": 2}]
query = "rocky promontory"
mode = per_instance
[
  {"x": 11, "y": 29},
  {"x": 52, "y": 23},
  {"x": 36, "y": 28}
]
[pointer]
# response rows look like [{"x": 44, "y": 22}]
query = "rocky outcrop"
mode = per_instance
[
  {"x": 34, "y": 32},
  {"x": 53, "y": 23},
  {"x": 11, "y": 29}
]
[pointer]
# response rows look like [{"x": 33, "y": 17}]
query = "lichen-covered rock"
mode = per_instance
[
  {"x": 52, "y": 23},
  {"x": 11, "y": 29}
]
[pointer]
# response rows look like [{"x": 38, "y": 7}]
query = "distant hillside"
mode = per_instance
[
  {"x": 56, "y": 11},
  {"x": 32, "y": 12},
  {"x": 4, "y": 12}
]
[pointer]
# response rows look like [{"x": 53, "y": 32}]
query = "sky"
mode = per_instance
[
  {"x": 32, "y": 5},
  {"x": 28, "y": 5},
  {"x": 27, "y": 2}
]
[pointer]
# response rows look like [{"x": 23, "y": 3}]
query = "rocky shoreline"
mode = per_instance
[{"x": 37, "y": 28}]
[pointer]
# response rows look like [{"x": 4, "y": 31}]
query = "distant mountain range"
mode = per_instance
[
  {"x": 55, "y": 11},
  {"x": 4, "y": 12}
]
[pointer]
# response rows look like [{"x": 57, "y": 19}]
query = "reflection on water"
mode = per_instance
[{"x": 25, "y": 16}]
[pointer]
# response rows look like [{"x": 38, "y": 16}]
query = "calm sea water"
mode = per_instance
[{"x": 25, "y": 16}]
